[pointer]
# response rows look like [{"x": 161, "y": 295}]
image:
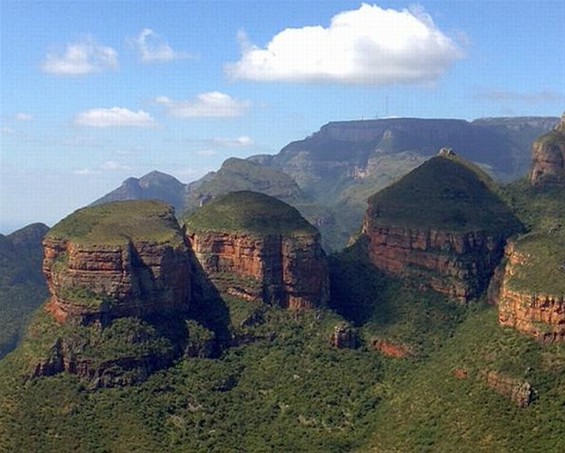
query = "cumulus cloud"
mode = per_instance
[
  {"x": 114, "y": 117},
  {"x": 241, "y": 141},
  {"x": 81, "y": 58},
  {"x": 206, "y": 105},
  {"x": 367, "y": 46},
  {"x": 153, "y": 48},
  {"x": 514, "y": 96},
  {"x": 23, "y": 117}
]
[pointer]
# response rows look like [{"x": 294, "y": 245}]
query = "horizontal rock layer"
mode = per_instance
[
  {"x": 458, "y": 265},
  {"x": 289, "y": 271},
  {"x": 537, "y": 314},
  {"x": 91, "y": 283}
]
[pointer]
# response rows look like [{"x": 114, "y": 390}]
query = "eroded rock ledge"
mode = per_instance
[{"x": 536, "y": 313}]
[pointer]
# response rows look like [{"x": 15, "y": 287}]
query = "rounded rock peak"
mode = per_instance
[
  {"x": 120, "y": 222},
  {"x": 247, "y": 211}
]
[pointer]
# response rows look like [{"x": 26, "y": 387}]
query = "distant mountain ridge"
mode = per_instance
[
  {"x": 345, "y": 162},
  {"x": 342, "y": 153},
  {"x": 153, "y": 186}
]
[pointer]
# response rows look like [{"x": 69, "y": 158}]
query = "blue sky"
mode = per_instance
[{"x": 93, "y": 92}]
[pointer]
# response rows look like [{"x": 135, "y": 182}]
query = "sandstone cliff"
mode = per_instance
[
  {"x": 549, "y": 157},
  {"x": 531, "y": 299},
  {"x": 440, "y": 226},
  {"x": 111, "y": 272},
  {"x": 255, "y": 247},
  {"x": 119, "y": 278}
]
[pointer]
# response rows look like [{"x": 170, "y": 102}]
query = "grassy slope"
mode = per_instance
[
  {"x": 447, "y": 192},
  {"x": 251, "y": 212},
  {"x": 22, "y": 285},
  {"x": 428, "y": 409},
  {"x": 118, "y": 222},
  {"x": 542, "y": 210},
  {"x": 287, "y": 391}
]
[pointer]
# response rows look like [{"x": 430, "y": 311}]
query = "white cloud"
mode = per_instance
[
  {"x": 114, "y": 117},
  {"x": 6, "y": 130},
  {"x": 241, "y": 141},
  {"x": 367, "y": 46},
  {"x": 85, "y": 172},
  {"x": 23, "y": 117},
  {"x": 205, "y": 105},
  {"x": 81, "y": 58},
  {"x": 153, "y": 49}
]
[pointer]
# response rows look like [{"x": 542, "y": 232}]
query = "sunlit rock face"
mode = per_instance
[
  {"x": 258, "y": 248},
  {"x": 441, "y": 227},
  {"x": 549, "y": 157},
  {"x": 116, "y": 260}
]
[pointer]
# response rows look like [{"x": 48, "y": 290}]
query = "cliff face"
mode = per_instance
[
  {"x": 99, "y": 282},
  {"x": 549, "y": 157},
  {"x": 536, "y": 313},
  {"x": 287, "y": 271},
  {"x": 259, "y": 248},
  {"x": 119, "y": 281},
  {"x": 442, "y": 226},
  {"x": 458, "y": 265}
]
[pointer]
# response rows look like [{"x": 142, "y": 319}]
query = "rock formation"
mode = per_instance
[
  {"x": 549, "y": 157},
  {"x": 530, "y": 299},
  {"x": 520, "y": 392},
  {"x": 344, "y": 337},
  {"x": 441, "y": 226},
  {"x": 256, "y": 247},
  {"x": 115, "y": 260},
  {"x": 119, "y": 278}
]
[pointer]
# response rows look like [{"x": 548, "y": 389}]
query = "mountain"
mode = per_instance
[
  {"x": 345, "y": 162},
  {"x": 392, "y": 361},
  {"x": 549, "y": 157},
  {"x": 256, "y": 247},
  {"x": 22, "y": 285},
  {"x": 152, "y": 186},
  {"x": 330, "y": 175},
  {"x": 241, "y": 174},
  {"x": 119, "y": 282},
  {"x": 442, "y": 224}
]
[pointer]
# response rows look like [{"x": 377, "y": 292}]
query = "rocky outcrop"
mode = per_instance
[
  {"x": 549, "y": 157},
  {"x": 520, "y": 392},
  {"x": 391, "y": 349},
  {"x": 536, "y": 313},
  {"x": 344, "y": 337},
  {"x": 98, "y": 282},
  {"x": 256, "y": 247},
  {"x": 119, "y": 277},
  {"x": 458, "y": 265},
  {"x": 104, "y": 262},
  {"x": 442, "y": 226},
  {"x": 289, "y": 271}
]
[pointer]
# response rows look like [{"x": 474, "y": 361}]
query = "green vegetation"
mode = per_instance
[
  {"x": 284, "y": 389},
  {"x": 119, "y": 222},
  {"x": 542, "y": 210},
  {"x": 444, "y": 193},
  {"x": 22, "y": 285},
  {"x": 248, "y": 212},
  {"x": 240, "y": 174},
  {"x": 125, "y": 338},
  {"x": 281, "y": 386},
  {"x": 544, "y": 271},
  {"x": 430, "y": 409}
]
